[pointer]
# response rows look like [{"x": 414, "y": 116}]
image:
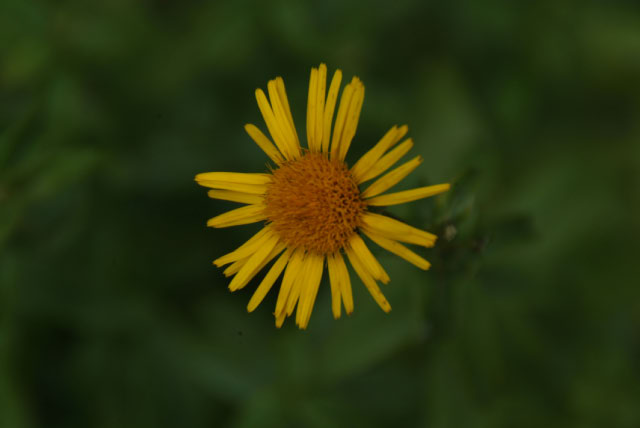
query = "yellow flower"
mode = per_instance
[{"x": 311, "y": 203}]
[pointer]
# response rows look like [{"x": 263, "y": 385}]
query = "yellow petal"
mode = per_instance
[
  {"x": 299, "y": 284},
  {"x": 285, "y": 103},
  {"x": 353, "y": 115},
  {"x": 290, "y": 274},
  {"x": 272, "y": 124},
  {"x": 237, "y": 265},
  {"x": 274, "y": 252},
  {"x": 368, "y": 259},
  {"x": 300, "y": 288},
  {"x": 254, "y": 189},
  {"x": 399, "y": 250},
  {"x": 294, "y": 294},
  {"x": 234, "y": 267},
  {"x": 408, "y": 195},
  {"x": 345, "y": 283},
  {"x": 229, "y": 195},
  {"x": 388, "y": 160},
  {"x": 235, "y": 177},
  {"x": 396, "y": 230},
  {"x": 252, "y": 266},
  {"x": 244, "y": 215},
  {"x": 332, "y": 97},
  {"x": 280, "y": 319},
  {"x": 319, "y": 121},
  {"x": 334, "y": 282},
  {"x": 310, "y": 290},
  {"x": 345, "y": 101},
  {"x": 368, "y": 280},
  {"x": 311, "y": 111},
  {"x": 290, "y": 136},
  {"x": 367, "y": 160},
  {"x": 392, "y": 178},
  {"x": 246, "y": 249},
  {"x": 268, "y": 281},
  {"x": 264, "y": 143}
]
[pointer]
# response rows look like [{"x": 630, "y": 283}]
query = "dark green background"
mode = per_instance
[{"x": 111, "y": 314}]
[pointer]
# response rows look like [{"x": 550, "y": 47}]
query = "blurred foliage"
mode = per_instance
[{"x": 111, "y": 314}]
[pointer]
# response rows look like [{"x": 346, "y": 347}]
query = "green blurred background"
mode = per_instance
[{"x": 111, "y": 314}]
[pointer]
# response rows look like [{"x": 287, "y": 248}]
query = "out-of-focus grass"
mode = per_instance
[{"x": 112, "y": 315}]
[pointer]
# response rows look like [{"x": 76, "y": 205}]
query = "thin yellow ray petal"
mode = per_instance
[
  {"x": 234, "y": 267},
  {"x": 294, "y": 294},
  {"x": 252, "y": 265},
  {"x": 237, "y": 265},
  {"x": 235, "y": 177},
  {"x": 368, "y": 280},
  {"x": 388, "y": 160},
  {"x": 371, "y": 157},
  {"x": 280, "y": 319},
  {"x": 330, "y": 105},
  {"x": 311, "y": 110},
  {"x": 299, "y": 284},
  {"x": 264, "y": 143},
  {"x": 268, "y": 281},
  {"x": 229, "y": 195},
  {"x": 312, "y": 284},
  {"x": 281, "y": 117},
  {"x": 353, "y": 116},
  {"x": 334, "y": 282},
  {"x": 272, "y": 124},
  {"x": 399, "y": 250},
  {"x": 343, "y": 109},
  {"x": 397, "y": 230},
  {"x": 345, "y": 283},
  {"x": 363, "y": 168},
  {"x": 290, "y": 274},
  {"x": 282, "y": 92},
  {"x": 254, "y": 189},
  {"x": 408, "y": 195},
  {"x": 300, "y": 288},
  {"x": 319, "y": 121},
  {"x": 243, "y": 215},
  {"x": 316, "y": 286},
  {"x": 246, "y": 249},
  {"x": 280, "y": 246},
  {"x": 391, "y": 178},
  {"x": 369, "y": 261}
]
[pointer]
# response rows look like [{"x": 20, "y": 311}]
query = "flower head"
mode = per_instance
[{"x": 312, "y": 205}]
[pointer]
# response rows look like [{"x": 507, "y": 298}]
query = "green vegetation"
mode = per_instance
[{"x": 111, "y": 314}]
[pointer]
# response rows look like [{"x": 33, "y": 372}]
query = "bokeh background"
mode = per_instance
[{"x": 111, "y": 314}]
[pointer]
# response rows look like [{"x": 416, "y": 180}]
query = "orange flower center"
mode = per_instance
[{"x": 314, "y": 203}]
